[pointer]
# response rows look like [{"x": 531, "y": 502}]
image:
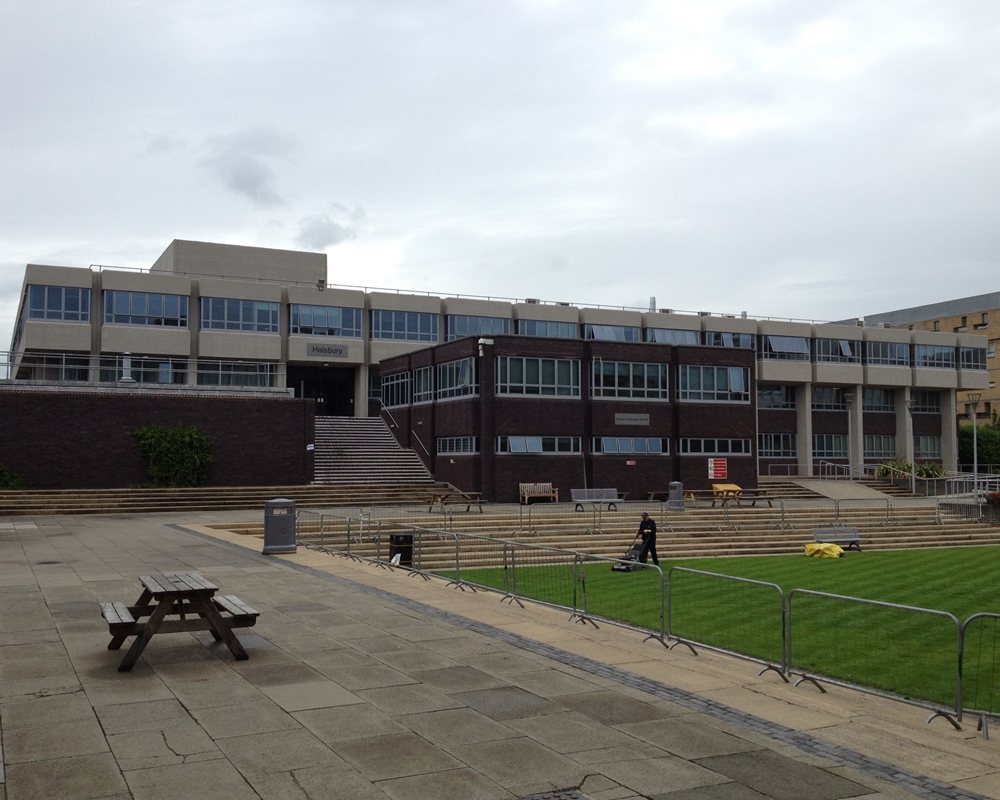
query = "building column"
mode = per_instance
[
  {"x": 904, "y": 426},
  {"x": 949, "y": 430},
  {"x": 361, "y": 390},
  {"x": 804, "y": 429},
  {"x": 856, "y": 445}
]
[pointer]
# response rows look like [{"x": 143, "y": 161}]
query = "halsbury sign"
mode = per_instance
[
  {"x": 326, "y": 351},
  {"x": 631, "y": 419}
]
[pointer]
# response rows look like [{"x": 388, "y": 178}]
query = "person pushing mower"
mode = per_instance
[{"x": 647, "y": 530}]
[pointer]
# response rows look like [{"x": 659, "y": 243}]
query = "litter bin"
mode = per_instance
[
  {"x": 675, "y": 501},
  {"x": 279, "y": 526},
  {"x": 401, "y": 544}
]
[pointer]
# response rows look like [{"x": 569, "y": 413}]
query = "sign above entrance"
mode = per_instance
[
  {"x": 718, "y": 469},
  {"x": 326, "y": 351},
  {"x": 631, "y": 419}
]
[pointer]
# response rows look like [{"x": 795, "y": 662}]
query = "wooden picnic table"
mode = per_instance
[
  {"x": 186, "y": 596},
  {"x": 457, "y": 498}
]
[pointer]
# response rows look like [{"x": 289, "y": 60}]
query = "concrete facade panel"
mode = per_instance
[
  {"x": 932, "y": 378},
  {"x": 58, "y": 336},
  {"x": 240, "y": 290},
  {"x": 775, "y": 371},
  {"x": 145, "y": 282},
  {"x": 145, "y": 340},
  {"x": 887, "y": 376},
  {"x": 239, "y": 344},
  {"x": 837, "y": 374}
]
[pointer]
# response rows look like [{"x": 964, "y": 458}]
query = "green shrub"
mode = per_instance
[
  {"x": 174, "y": 456},
  {"x": 892, "y": 469},
  {"x": 11, "y": 480},
  {"x": 931, "y": 469},
  {"x": 988, "y": 441}
]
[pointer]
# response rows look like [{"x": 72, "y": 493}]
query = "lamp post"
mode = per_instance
[
  {"x": 913, "y": 464},
  {"x": 974, "y": 399}
]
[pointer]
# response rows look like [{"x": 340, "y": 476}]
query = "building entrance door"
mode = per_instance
[{"x": 331, "y": 387}]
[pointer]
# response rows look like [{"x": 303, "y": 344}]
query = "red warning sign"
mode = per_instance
[{"x": 718, "y": 469}]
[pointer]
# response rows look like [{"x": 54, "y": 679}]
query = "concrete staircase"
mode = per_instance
[
  {"x": 785, "y": 488},
  {"x": 362, "y": 450}
]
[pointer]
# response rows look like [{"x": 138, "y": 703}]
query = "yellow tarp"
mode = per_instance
[{"x": 824, "y": 550}]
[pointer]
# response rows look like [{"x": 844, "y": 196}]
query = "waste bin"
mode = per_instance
[
  {"x": 401, "y": 544},
  {"x": 279, "y": 526},
  {"x": 675, "y": 501}
]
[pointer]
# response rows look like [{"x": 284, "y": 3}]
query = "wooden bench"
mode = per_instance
[
  {"x": 240, "y": 614},
  {"x": 457, "y": 498},
  {"x": 753, "y": 495},
  {"x": 598, "y": 496},
  {"x": 846, "y": 537},
  {"x": 530, "y": 490}
]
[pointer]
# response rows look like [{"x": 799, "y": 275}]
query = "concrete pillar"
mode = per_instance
[
  {"x": 804, "y": 429},
  {"x": 949, "y": 429},
  {"x": 856, "y": 445},
  {"x": 904, "y": 426},
  {"x": 361, "y": 391}
]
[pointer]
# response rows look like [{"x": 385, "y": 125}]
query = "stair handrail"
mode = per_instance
[
  {"x": 428, "y": 452},
  {"x": 387, "y": 411}
]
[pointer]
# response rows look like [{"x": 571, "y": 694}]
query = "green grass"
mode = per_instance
[{"x": 907, "y": 653}]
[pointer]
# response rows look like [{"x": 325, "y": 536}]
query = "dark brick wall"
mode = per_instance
[
  {"x": 879, "y": 423},
  {"x": 84, "y": 441}
]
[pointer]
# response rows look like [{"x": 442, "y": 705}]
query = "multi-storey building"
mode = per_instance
[
  {"x": 980, "y": 315},
  {"x": 527, "y": 381}
]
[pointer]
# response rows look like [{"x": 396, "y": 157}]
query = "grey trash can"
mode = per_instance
[
  {"x": 675, "y": 501},
  {"x": 279, "y": 526},
  {"x": 401, "y": 544}
]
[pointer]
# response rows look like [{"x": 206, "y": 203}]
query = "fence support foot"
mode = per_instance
[
  {"x": 944, "y": 715},
  {"x": 772, "y": 668},
  {"x": 983, "y": 726},
  {"x": 458, "y": 585},
  {"x": 582, "y": 618},
  {"x": 658, "y": 638},
  {"x": 512, "y": 599},
  {"x": 414, "y": 572},
  {"x": 686, "y": 644},
  {"x": 382, "y": 565},
  {"x": 813, "y": 681}
]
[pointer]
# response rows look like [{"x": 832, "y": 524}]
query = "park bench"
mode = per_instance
[
  {"x": 598, "y": 496},
  {"x": 531, "y": 490},
  {"x": 845, "y": 537}
]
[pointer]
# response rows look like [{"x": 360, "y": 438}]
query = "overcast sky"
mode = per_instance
[{"x": 809, "y": 159}]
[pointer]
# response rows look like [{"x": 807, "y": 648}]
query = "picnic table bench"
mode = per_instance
[
  {"x": 186, "y": 596},
  {"x": 598, "y": 496},
  {"x": 528, "y": 491},
  {"x": 457, "y": 498},
  {"x": 846, "y": 537}
]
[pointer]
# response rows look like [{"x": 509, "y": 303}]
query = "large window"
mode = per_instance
[
  {"x": 236, "y": 373},
  {"x": 926, "y": 403},
  {"x": 714, "y": 447},
  {"x": 460, "y": 326},
  {"x": 629, "y": 380},
  {"x": 881, "y": 446},
  {"x": 143, "y": 308},
  {"x": 932, "y": 355},
  {"x": 553, "y": 330},
  {"x": 538, "y": 444},
  {"x": 773, "y": 397},
  {"x": 552, "y": 377},
  {"x": 396, "y": 389},
  {"x": 423, "y": 385},
  {"x": 671, "y": 336},
  {"x": 717, "y": 339},
  {"x": 52, "y": 367},
  {"x": 829, "y": 445},
  {"x": 458, "y": 445},
  {"x": 143, "y": 369},
  {"x": 59, "y": 302},
  {"x": 325, "y": 320},
  {"x": 878, "y": 400},
  {"x": 630, "y": 445},
  {"x": 408, "y": 326},
  {"x": 776, "y": 445},
  {"x": 612, "y": 333},
  {"x": 828, "y": 398},
  {"x": 927, "y": 446},
  {"x": 843, "y": 351},
  {"x": 891, "y": 354},
  {"x": 458, "y": 378},
  {"x": 219, "y": 313},
  {"x": 972, "y": 357},
  {"x": 784, "y": 348},
  {"x": 719, "y": 384}
]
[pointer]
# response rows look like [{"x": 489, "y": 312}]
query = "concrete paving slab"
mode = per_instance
[
  {"x": 411, "y": 699},
  {"x": 81, "y": 778},
  {"x": 522, "y": 765},
  {"x": 217, "y": 779},
  {"x": 687, "y": 737},
  {"x": 394, "y": 755},
  {"x": 456, "y": 784},
  {"x": 781, "y": 777},
  {"x": 457, "y": 727},
  {"x": 570, "y": 732},
  {"x": 341, "y": 723},
  {"x": 609, "y": 708},
  {"x": 315, "y": 694},
  {"x": 279, "y": 752},
  {"x": 506, "y": 703}
]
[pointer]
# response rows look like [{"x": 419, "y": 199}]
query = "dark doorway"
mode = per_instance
[{"x": 331, "y": 387}]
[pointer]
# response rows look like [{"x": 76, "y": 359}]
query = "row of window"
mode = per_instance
[
  {"x": 834, "y": 445},
  {"x": 825, "y": 398},
  {"x": 146, "y": 369},
  {"x": 850, "y": 351}
]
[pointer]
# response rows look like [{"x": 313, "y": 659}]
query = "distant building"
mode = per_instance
[
  {"x": 518, "y": 386},
  {"x": 979, "y": 314}
]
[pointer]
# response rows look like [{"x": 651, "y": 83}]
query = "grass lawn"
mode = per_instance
[{"x": 904, "y": 652}]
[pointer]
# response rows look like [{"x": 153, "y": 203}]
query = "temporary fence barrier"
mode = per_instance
[
  {"x": 876, "y": 646},
  {"x": 746, "y": 619},
  {"x": 979, "y": 668}
]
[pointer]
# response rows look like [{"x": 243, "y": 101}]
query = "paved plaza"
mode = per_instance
[{"x": 370, "y": 683}]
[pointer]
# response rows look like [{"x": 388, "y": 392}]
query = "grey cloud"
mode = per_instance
[
  {"x": 162, "y": 143},
  {"x": 327, "y": 228},
  {"x": 242, "y": 162}
]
